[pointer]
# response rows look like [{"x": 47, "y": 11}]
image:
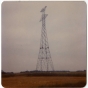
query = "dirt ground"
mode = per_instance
[{"x": 34, "y": 81}]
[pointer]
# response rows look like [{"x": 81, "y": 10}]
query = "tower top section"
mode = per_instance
[
  {"x": 43, "y": 14},
  {"x": 43, "y": 9}
]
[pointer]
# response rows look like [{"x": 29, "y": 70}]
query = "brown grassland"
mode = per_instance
[{"x": 43, "y": 81}]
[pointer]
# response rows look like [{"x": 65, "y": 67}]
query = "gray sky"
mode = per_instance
[{"x": 21, "y": 32}]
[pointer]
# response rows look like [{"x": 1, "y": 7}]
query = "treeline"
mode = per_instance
[
  {"x": 78, "y": 74},
  {"x": 36, "y": 71},
  {"x": 7, "y": 74},
  {"x": 44, "y": 73}
]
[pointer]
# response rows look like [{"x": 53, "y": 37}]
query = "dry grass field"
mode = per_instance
[{"x": 43, "y": 81}]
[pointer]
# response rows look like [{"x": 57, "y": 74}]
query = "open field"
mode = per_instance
[{"x": 44, "y": 81}]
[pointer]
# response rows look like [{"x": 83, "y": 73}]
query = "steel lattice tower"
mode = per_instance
[{"x": 44, "y": 62}]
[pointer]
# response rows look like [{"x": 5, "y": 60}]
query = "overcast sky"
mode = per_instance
[{"x": 21, "y": 32}]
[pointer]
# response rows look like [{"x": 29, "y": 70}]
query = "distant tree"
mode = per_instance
[{"x": 3, "y": 72}]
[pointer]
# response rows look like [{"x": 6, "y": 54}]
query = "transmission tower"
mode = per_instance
[{"x": 44, "y": 62}]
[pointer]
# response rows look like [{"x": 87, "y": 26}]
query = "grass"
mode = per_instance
[
  {"x": 43, "y": 81},
  {"x": 78, "y": 84}
]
